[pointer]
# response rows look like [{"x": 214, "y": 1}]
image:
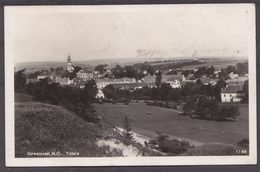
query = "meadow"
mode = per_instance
[{"x": 149, "y": 120}]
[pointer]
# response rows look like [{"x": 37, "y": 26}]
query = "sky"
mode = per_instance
[{"x": 50, "y": 33}]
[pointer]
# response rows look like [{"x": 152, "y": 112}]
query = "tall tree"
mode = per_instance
[
  {"x": 110, "y": 92},
  {"x": 101, "y": 68},
  {"x": 245, "y": 92},
  {"x": 90, "y": 90},
  {"x": 166, "y": 92},
  {"x": 19, "y": 81},
  {"x": 221, "y": 84},
  {"x": 158, "y": 79}
]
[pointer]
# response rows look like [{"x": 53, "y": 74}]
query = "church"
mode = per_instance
[{"x": 70, "y": 67}]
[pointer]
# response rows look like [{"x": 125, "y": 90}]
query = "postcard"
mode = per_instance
[{"x": 130, "y": 85}]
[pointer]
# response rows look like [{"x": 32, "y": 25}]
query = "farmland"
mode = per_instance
[{"x": 148, "y": 120}]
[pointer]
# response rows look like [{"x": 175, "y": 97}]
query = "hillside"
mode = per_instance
[{"x": 41, "y": 128}]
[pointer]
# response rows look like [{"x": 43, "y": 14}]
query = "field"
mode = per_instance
[{"x": 148, "y": 120}]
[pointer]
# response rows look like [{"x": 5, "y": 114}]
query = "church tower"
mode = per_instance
[{"x": 69, "y": 64}]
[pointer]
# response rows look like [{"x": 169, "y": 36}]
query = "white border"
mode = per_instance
[{"x": 11, "y": 161}]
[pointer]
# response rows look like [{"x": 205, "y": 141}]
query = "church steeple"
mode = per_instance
[
  {"x": 70, "y": 67},
  {"x": 69, "y": 59}
]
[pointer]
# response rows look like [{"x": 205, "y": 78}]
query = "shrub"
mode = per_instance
[
  {"x": 174, "y": 146},
  {"x": 202, "y": 107},
  {"x": 169, "y": 146},
  {"x": 88, "y": 114},
  {"x": 228, "y": 112},
  {"x": 127, "y": 131},
  {"x": 243, "y": 143}
]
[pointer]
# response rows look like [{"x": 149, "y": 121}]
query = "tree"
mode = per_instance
[
  {"x": 242, "y": 68},
  {"x": 245, "y": 92},
  {"x": 158, "y": 79},
  {"x": 221, "y": 84},
  {"x": 189, "y": 106},
  {"x": 207, "y": 90},
  {"x": 52, "y": 69},
  {"x": 166, "y": 92},
  {"x": 76, "y": 69},
  {"x": 210, "y": 70},
  {"x": 45, "y": 91},
  {"x": 110, "y": 92},
  {"x": 175, "y": 95},
  {"x": 199, "y": 82},
  {"x": 90, "y": 90},
  {"x": 101, "y": 68},
  {"x": 87, "y": 113},
  {"x": 19, "y": 81},
  {"x": 189, "y": 89},
  {"x": 131, "y": 72},
  {"x": 228, "y": 112},
  {"x": 127, "y": 130},
  {"x": 118, "y": 71},
  {"x": 205, "y": 108}
]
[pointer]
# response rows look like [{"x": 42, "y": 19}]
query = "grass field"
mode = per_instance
[{"x": 170, "y": 122}]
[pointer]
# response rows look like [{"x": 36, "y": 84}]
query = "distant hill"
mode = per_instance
[{"x": 90, "y": 64}]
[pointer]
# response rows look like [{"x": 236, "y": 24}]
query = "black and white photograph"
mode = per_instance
[{"x": 99, "y": 85}]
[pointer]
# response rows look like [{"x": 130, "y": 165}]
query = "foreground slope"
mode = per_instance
[{"x": 42, "y": 128}]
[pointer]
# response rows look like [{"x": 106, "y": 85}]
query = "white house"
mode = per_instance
[
  {"x": 41, "y": 76},
  {"x": 102, "y": 83},
  {"x": 84, "y": 75},
  {"x": 64, "y": 81},
  {"x": 233, "y": 75},
  {"x": 100, "y": 95},
  {"x": 173, "y": 80},
  {"x": 232, "y": 93}
]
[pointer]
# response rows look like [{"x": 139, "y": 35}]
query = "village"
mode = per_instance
[{"x": 75, "y": 76}]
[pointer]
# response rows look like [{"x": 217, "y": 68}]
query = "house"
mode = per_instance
[
  {"x": 173, "y": 77},
  {"x": 232, "y": 93},
  {"x": 41, "y": 76},
  {"x": 238, "y": 80},
  {"x": 149, "y": 79},
  {"x": 133, "y": 86},
  {"x": 100, "y": 95},
  {"x": 31, "y": 80},
  {"x": 64, "y": 81},
  {"x": 207, "y": 81},
  {"x": 102, "y": 83},
  {"x": 173, "y": 80},
  {"x": 44, "y": 74},
  {"x": 79, "y": 83},
  {"x": 187, "y": 81},
  {"x": 233, "y": 76},
  {"x": 84, "y": 75}
]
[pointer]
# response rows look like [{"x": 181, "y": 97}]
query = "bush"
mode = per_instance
[
  {"x": 202, "y": 107},
  {"x": 243, "y": 143},
  {"x": 227, "y": 113},
  {"x": 174, "y": 146},
  {"x": 170, "y": 146},
  {"x": 127, "y": 131},
  {"x": 88, "y": 114}
]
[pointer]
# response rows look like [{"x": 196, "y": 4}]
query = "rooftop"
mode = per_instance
[{"x": 233, "y": 88}]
